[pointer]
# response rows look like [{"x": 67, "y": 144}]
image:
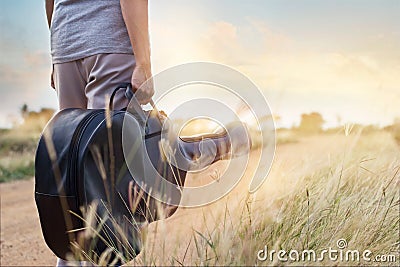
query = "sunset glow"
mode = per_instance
[{"x": 339, "y": 58}]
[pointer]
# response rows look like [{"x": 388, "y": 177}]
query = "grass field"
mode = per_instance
[
  {"x": 16, "y": 155},
  {"x": 322, "y": 189},
  {"x": 18, "y": 146}
]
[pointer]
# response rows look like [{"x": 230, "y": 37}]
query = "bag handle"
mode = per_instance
[
  {"x": 119, "y": 87},
  {"x": 129, "y": 93},
  {"x": 134, "y": 107}
]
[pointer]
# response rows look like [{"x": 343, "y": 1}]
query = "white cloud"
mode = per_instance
[
  {"x": 334, "y": 82},
  {"x": 25, "y": 80}
]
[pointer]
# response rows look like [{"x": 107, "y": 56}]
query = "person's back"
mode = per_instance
[{"x": 82, "y": 28}]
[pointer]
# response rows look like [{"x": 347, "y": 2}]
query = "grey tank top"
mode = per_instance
[{"x": 82, "y": 28}]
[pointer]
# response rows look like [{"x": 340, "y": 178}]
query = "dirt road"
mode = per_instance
[{"x": 22, "y": 242}]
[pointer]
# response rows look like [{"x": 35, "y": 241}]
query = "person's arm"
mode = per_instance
[
  {"x": 135, "y": 13},
  {"x": 49, "y": 14},
  {"x": 49, "y": 11}
]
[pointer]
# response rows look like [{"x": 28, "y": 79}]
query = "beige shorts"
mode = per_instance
[{"x": 88, "y": 82}]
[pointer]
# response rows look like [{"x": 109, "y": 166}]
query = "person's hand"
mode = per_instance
[{"x": 142, "y": 83}]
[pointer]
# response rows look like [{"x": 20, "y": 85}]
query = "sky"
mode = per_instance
[{"x": 339, "y": 58}]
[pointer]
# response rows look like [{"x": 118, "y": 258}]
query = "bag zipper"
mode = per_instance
[{"x": 74, "y": 150}]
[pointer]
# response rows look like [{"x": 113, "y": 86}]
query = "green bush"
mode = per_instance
[
  {"x": 18, "y": 172},
  {"x": 17, "y": 151}
]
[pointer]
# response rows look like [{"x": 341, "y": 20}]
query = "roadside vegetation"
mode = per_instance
[{"x": 18, "y": 145}]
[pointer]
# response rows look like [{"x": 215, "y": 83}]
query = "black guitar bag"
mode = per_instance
[{"x": 87, "y": 199}]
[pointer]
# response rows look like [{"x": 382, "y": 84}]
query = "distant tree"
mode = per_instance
[
  {"x": 24, "y": 110},
  {"x": 35, "y": 121},
  {"x": 311, "y": 123},
  {"x": 396, "y": 130}
]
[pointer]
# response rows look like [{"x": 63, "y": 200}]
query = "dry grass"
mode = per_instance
[
  {"x": 341, "y": 187},
  {"x": 321, "y": 189},
  {"x": 396, "y": 132}
]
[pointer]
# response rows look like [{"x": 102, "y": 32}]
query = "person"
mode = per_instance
[{"x": 96, "y": 46}]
